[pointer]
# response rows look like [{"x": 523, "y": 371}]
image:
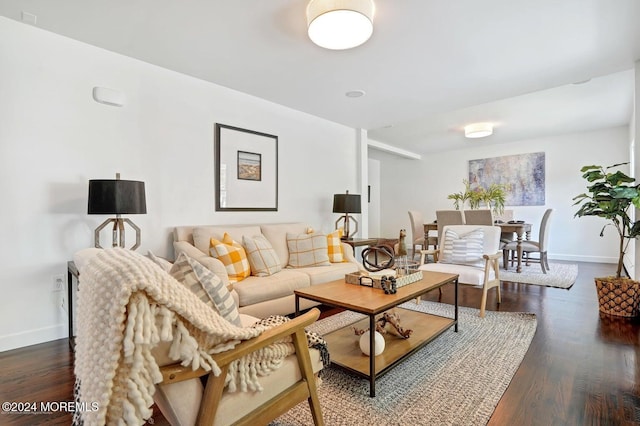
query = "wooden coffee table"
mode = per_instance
[{"x": 343, "y": 343}]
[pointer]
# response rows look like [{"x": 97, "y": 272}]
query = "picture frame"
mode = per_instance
[{"x": 246, "y": 169}]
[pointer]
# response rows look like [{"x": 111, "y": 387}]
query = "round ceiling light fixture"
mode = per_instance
[
  {"x": 340, "y": 24},
  {"x": 355, "y": 93},
  {"x": 478, "y": 130}
]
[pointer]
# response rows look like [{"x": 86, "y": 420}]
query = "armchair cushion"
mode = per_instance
[
  {"x": 463, "y": 248},
  {"x": 207, "y": 286}
]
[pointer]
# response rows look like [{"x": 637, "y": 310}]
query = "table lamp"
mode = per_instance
[
  {"x": 115, "y": 196},
  {"x": 347, "y": 203}
]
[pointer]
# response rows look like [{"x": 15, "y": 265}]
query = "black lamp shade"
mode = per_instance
[
  {"x": 115, "y": 196},
  {"x": 346, "y": 203}
]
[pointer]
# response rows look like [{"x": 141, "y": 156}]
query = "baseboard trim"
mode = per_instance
[
  {"x": 575, "y": 258},
  {"x": 33, "y": 337}
]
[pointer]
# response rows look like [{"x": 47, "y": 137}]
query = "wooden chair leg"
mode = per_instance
[{"x": 483, "y": 303}]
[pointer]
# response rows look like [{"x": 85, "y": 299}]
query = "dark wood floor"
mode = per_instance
[{"x": 582, "y": 368}]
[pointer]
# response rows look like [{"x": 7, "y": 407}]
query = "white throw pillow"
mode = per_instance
[
  {"x": 262, "y": 257},
  {"x": 466, "y": 249}
]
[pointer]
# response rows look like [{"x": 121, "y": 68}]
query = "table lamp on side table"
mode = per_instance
[
  {"x": 115, "y": 196},
  {"x": 347, "y": 203}
]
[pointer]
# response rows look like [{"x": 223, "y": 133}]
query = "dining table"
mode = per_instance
[{"x": 520, "y": 229}]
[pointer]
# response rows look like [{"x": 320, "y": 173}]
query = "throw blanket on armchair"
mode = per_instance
[{"x": 127, "y": 305}]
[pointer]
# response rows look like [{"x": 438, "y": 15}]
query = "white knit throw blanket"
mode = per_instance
[{"x": 127, "y": 305}]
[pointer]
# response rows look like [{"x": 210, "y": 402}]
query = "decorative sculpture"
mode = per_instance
[
  {"x": 390, "y": 317},
  {"x": 402, "y": 244},
  {"x": 385, "y": 253}
]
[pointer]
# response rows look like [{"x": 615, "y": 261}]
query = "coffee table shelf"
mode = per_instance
[
  {"x": 345, "y": 347},
  {"x": 344, "y": 344}
]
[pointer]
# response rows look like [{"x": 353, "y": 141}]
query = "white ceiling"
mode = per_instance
[{"x": 430, "y": 67}]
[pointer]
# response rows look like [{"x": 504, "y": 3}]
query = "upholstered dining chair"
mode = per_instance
[
  {"x": 448, "y": 217},
  {"x": 443, "y": 218},
  {"x": 478, "y": 217},
  {"x": 417, "y": 233},
  {"x": 529, "y": 246}
]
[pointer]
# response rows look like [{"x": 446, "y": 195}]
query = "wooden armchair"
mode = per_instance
[
  {"x": 474, "y": 258},
  {"x": 260, "y": 412}
]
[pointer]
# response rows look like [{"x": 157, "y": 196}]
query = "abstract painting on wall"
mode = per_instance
[{"x": 523, "y": 175}]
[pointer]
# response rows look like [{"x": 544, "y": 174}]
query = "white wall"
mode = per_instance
[
  {"x": 424, "y": 185},
  {"x": 374, "y": 202},
  {"x": 54, "y": 138}
]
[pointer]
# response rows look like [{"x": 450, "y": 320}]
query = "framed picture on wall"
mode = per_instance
[{"x": 246, "y": 169}]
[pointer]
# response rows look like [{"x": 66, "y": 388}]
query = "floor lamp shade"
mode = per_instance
[
  {"x": 115, "y": 196},
  {"x": 347, "y": 203}
]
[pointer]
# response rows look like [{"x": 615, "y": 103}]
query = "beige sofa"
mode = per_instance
[{"x": 262, "y": 296}]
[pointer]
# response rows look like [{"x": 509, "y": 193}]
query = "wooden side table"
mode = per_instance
[
  {"x": 72, "y": 271},
  {"x": 359, "y": 242}
]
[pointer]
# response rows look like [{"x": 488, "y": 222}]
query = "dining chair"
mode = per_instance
[
  {"x": 448, "y": 217},
  {"x": 478, "y": 217},
  {"x": 417, "y": 233},
  {"x": 529, "y": 246}
]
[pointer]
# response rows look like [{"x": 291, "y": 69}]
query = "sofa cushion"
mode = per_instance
[
  {"x": 307, "y": 250},
  {"x": 202, "y": 234},
  {"x": 277, "y": 235},
  {"x": 334, "y": 246},
  {"x": 206, "y": 285},
  {"x": 232, "y": 255},
  {"x": 463, "y": 249},
  {"x": 259, "y": 289},
  {"x": 336, "y": 271},
  {"x": 261, "y": 255}
]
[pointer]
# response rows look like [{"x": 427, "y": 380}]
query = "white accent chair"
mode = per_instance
[{"x": 453, "y": 248}]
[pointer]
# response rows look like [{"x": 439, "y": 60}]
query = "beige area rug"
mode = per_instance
[
  {"x": 457, "y": 379},
  {"x": 560, "y": 275}
]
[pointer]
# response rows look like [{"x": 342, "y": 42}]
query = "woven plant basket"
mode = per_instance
[{"x": 618, "y": 296}]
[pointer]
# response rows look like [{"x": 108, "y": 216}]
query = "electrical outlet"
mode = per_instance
[{"x": 58, "y": 282}]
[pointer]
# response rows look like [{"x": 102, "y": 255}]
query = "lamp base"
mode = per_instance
[
  {"x": 117, "y": 232},
  {"x": 346, "y": 234}
]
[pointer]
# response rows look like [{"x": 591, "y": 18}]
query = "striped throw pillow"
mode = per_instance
[
  {"x": 466, "y": 249},
  {"x": 232, "y": 256},
  {"x": 262, "y": 257},
  {"x": 334, "y": 246},
  {"x": 207, "y": 286},
  {"x": 307, "y": 250}
]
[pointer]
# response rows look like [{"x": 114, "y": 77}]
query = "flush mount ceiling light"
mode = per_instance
[
  {"x": 340, "y": 24},
  {"x": 478, "y": 130},
  {"x": 355, "y": 93}
]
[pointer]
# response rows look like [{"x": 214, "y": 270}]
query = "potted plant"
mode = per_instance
[
  {"x": 610, "y": 195},
  {"x": 493, "y": 197}
]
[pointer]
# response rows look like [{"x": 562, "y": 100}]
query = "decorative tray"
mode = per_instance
[{"x": 364, "y": 279}]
